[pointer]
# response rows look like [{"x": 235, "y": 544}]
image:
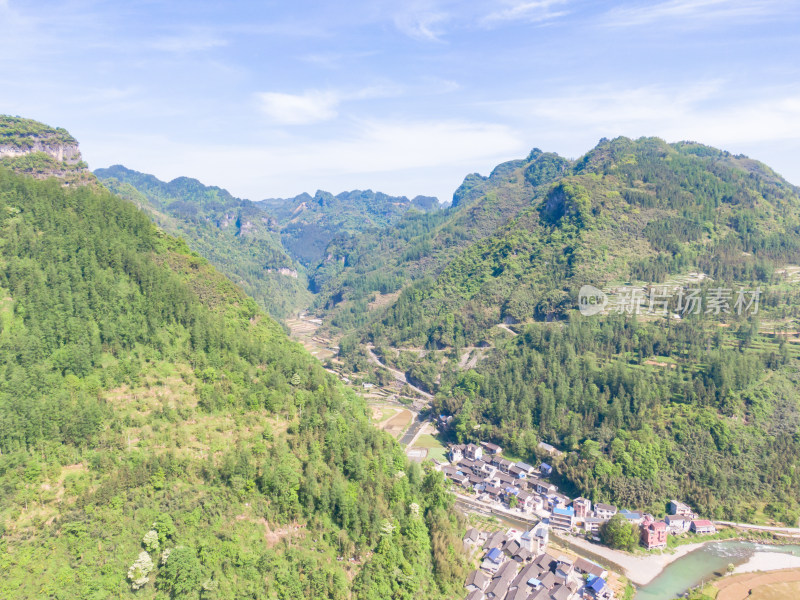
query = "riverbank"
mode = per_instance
[
  {"x": 768, "y": 561},
  {"x": 639, "y": 569}
]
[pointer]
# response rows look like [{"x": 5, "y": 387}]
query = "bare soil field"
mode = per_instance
[
  {"x": 775, "y": 585},
  {"x": 398, "y": 423}
]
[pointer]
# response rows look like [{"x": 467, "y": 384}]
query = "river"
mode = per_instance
[{"x": 704, "y": 564}]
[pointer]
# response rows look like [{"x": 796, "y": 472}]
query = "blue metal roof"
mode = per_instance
[
  {"x": 494, "y": 554},
  {"x": 597, "y": 585},
  {"x": 564, "y": 512}
]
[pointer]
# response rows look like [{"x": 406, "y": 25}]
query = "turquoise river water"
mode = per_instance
[{"x": 702, "y": 565}]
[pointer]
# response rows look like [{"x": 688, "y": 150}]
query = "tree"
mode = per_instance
[
  {"x": 139, "y": 570},
  {"x": 150, "y": 541},
  {"x": 619, "y": 534},
  {"x": 182, "y": 575}
]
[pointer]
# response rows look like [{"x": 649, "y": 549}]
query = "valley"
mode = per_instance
[
  {"x": 437, "y": 327},
  {"x": 470, "y": 310}
]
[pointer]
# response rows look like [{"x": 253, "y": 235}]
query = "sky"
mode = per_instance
[{"x": 272, "y": 99}]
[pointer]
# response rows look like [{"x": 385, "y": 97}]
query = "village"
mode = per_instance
[{"x": 515, "y": 565}]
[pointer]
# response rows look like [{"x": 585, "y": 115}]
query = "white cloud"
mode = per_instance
[
  {"x": 315, "y": 106},
  {"x": 525, "y": 10},
  {"x": 422, "y": 23},
  {"x": 302, "y": 109},
  {"x": 708, "y": 112},
  {"x": 694, "y": 12}
]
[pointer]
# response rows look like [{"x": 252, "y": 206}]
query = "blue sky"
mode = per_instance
[{"x": 275, "y": 98}]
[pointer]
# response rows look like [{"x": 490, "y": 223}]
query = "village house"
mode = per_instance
[
  {"x": 557, "y": 501},
  {"x": 476, "y": 595},
  {"x": 677, "y": 525},
  {"x": 456, "y": 452},
  {"x": 562, "y": 518},
  {"x": 582, "y": 506},
  {"x": 473, "y": 452},
  {"x": 492, "y": 493},
  {"x": 492, "y": 561},
  {"x": 472, "y": 537},
  {"x": 632, "y": 517},
  {"x": 543, "y": 487},
  {"x": 679, "y": 509},
  {"x": 492, "y": 449},
  {"x": 501, "y": 463},
  {"x": 525, "y": 467},
  {"x": 476, "y": 580},
  {"x": 592, "y": 524},
  {"x": 702, "y": 526},
  {"x": 516, "y": 472},
  {"x": 587, "y": 567},
  {"x": 653, "y": 533},
  {"x": 604, "y": 511},
  {"x": 597, "y": 587},
  {"x": 527, "y": 501},
  {"x": 460, "y": 479},
  {"x": 545, "y": 469}
]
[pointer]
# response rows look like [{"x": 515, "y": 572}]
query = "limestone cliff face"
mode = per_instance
[
  {"x": 41, "y": 151},
  {"x": 67, "y": 153}
]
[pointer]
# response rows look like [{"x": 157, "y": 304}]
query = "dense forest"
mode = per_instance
[
  {"x": 703, "y": 407},
  {"x": 271, "y": 247},
  {"x": 235, "y": 235},
  {"x": 160, "y": 436}
]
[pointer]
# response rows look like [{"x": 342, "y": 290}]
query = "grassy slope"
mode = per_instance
[{"x": 139, "y": 386}]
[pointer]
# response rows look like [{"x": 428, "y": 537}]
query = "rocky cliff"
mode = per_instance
[{"x": 33, "y": 148}]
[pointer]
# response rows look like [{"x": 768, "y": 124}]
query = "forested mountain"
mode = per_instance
[
  {"x": 160, "y": 437},
  {"x": 309, "y": 224},
  {"x": 267, "y": 247},
  {"x": 701, "y": 406},
  {"x": 237, "y": 236}
]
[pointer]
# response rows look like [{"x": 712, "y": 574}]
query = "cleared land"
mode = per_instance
[
  {"x": 776, "y": 585},
  {"x": 398, "y": 423}
]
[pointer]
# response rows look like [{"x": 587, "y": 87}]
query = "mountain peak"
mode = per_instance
[{"x": 33, "y": 148}]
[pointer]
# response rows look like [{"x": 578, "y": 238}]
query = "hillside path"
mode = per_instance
[{"x": 398, "y": 375}]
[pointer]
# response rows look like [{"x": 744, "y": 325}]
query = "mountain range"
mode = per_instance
[
  {"x": 161, "y": 437},
  {"x": 477, "y": 302}
]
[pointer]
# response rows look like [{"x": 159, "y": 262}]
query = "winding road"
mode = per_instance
[
  {"x": 786, "y": 530},
  {"x": 398, "y": 375}
]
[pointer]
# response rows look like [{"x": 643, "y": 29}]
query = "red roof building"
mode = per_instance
[{"x": 654, "y": 534}]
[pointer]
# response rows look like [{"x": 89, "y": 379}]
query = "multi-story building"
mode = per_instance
[
  {"x": 562, "y": 518},
  {"x": 653, "y": 533}
]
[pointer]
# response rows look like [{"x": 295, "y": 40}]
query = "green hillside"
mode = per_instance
[
  {"x": 310, "y": 223},
  {"x": 159, "y": 432},
  {"x": 22, "y": 133},
  {"x": 419, "y": 246},
  {"x": 237, "y": 236},
  {"x": 647, "y": 407}
]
